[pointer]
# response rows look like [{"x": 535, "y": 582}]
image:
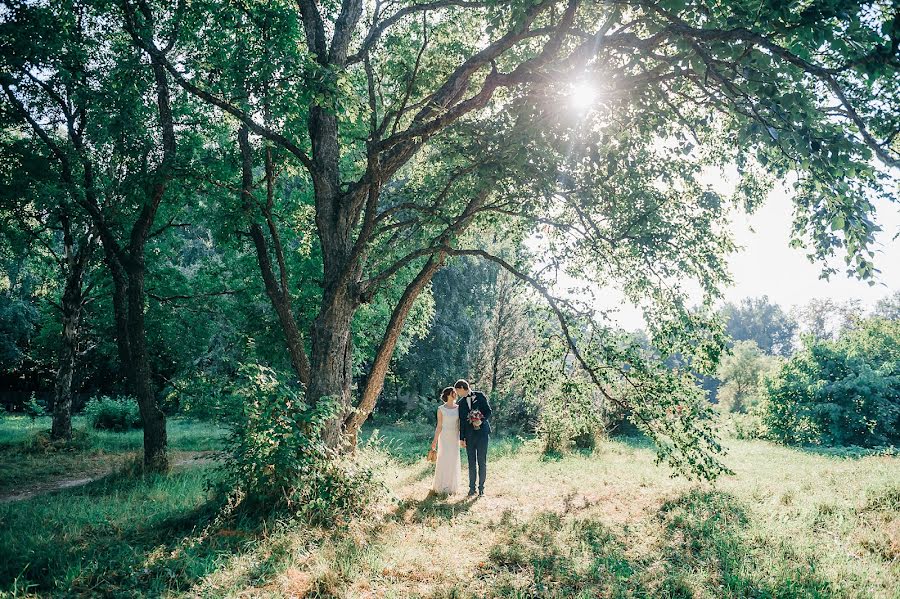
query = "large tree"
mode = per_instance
[
  {"x": 418, "y": 124},
  {"x": 413, "y": 121}
]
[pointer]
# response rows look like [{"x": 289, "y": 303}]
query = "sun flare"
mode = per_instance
[{"x": 582, "y": 95}]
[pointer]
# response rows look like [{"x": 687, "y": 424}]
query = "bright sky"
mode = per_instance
[{"x": 768, "y": 266}]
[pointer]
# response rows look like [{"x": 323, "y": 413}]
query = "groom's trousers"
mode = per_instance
[{"x": 476, "y": 451}]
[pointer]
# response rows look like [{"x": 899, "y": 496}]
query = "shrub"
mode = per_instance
[
  {"x": 275, "y": 456},
  {"x": 33, "y": 409},
  {"x": 117, "y": 414},
  {"x": 745, "y": 426},
  {"x": 844, "y": 392},
  {"x": 570, "y": 416},
  {"x": 513, "y": 411}
]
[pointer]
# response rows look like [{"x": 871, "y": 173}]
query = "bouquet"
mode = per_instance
[{"x": 475, "y": 419}]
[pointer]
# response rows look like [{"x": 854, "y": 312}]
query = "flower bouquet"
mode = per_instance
[{"x": 475, "y": 419}]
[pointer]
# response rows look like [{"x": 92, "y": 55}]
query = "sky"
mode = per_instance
[{"x": 767, "y": 265}]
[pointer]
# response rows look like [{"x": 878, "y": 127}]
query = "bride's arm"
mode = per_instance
[{"x": 437, "y": 429}]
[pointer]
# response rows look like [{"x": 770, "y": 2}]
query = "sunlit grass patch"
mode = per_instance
[{"x": 601, "y": 523}]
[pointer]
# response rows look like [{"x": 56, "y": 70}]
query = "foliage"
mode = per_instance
[
  {"x": 570, "y": 408},
  {"x": 844, "y": 392},
  {"x": 517, "y": 408},
  {"x": 462, "y": 293},
  {"x": 276, "y": 456},
  {"x": 742, "y": 373},
  {"x": 763, "y": 322},
  {"x": 33, "y": 409},
  {"x": 117, "y": 414},
  {"x": 17, "y": 322}
]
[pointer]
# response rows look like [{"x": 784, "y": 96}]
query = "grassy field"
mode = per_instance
[
  {"x": 610, "y": 523},
  {"x": 29, "y": 462}
]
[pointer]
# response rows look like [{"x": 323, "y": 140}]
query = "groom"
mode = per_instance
[{"x": 474, "y": 440}]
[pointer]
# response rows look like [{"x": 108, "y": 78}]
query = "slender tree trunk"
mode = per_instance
[
  {"x": 378, "y": 371},
  {"x": 277, "y": 289},
  {"x": 71, "y": 305}
]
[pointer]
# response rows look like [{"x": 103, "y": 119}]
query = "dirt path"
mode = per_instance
[{"x": 182, "y": 459}]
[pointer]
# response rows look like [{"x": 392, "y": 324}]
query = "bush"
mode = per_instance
[
  {"x": 569, "y": 417},
  {"x": 745, "y": 426},
  {"x": 276, "y": 456},
  {"x": 844, "y": 392},
  {"x": 117, "y": 414},
  {"x": 513, "y": 411},
  {"x": 33, "y": 409}
]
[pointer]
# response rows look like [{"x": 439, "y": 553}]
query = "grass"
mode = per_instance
[
  {"x": 789, "y": 523},
  {"x": 27, "y": 458}
]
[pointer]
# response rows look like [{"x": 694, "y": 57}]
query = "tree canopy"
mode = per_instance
[{"x": 357, "y": 147}]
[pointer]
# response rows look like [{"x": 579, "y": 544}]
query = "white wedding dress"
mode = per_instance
[{"x": 448, "y": 469}]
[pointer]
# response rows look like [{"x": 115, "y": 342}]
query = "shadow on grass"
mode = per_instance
[
  {"x": 122, "y": 535},
  {"x": 703, "y": 548},
  {"x": 433, "y": 506},
  {"x": 851, "y": 452}
]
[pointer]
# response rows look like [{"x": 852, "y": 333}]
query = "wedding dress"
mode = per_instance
[{"x": 448, "y": 469}]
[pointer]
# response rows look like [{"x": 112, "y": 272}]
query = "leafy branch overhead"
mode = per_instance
[{"x": 386, "y": 139}]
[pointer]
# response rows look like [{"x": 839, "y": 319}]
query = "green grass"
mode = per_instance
[
  {"x": 27, "y": 458},
  {"x": 607, "y": 523}
]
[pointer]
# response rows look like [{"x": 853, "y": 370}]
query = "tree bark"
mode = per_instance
[
  {"x": 152, "y": 417},
  {"x": 331, "y": 360},
  {"x": 71, "y": 306}
]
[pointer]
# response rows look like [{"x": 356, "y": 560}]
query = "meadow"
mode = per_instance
[{"x": 606, "y": 523}]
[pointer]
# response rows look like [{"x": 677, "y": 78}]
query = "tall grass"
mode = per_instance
[{"x": 607, "y": 523}]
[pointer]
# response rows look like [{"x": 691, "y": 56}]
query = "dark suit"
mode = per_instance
[{"x": 476, "y": 440}]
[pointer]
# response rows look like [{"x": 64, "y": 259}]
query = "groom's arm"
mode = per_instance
[{"x": 487, "y": 407}]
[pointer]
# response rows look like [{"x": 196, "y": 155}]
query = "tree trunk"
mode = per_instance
[
  {"x": 277, "y": 290},
  {"x": 379, "y": 369},
  {"x": 153, "y": 418},
  {"x": 331, "y": 360},
  {"x": 71, "y": 305}
]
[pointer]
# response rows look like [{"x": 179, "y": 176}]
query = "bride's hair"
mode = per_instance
[{"x": 445, "y": 393}]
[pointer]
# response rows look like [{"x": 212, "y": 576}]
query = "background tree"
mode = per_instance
[
  {"x": 763, "y": 322},
  {"x": 888, "y": 307},
  {"x": 826, "y": 319},
  {"x": 60, "y": 235},
  {"x": 742, "y": 374}
]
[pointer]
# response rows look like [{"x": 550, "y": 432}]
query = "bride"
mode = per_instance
[{"x": 447, "y": 470}]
